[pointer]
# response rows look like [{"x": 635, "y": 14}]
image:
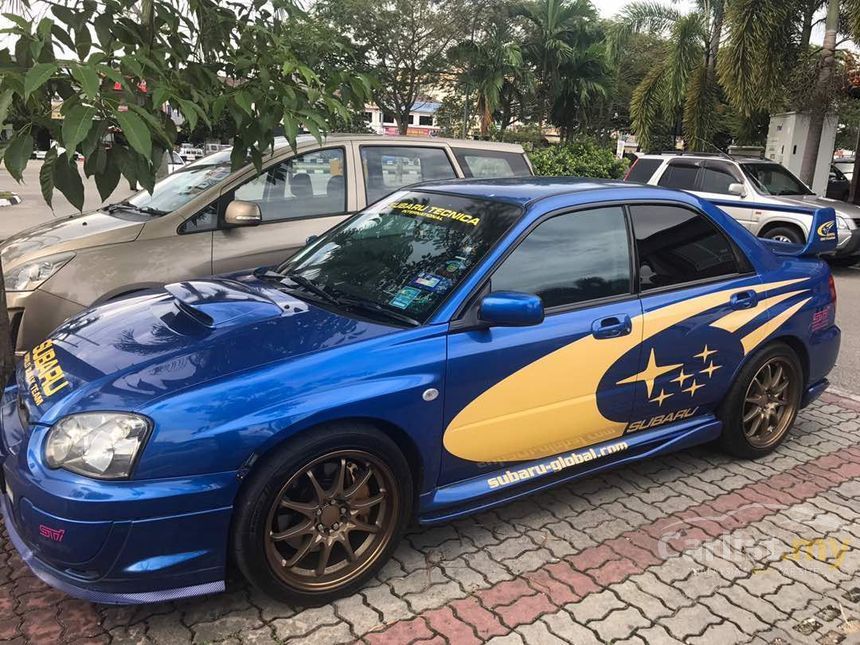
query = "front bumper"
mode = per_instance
[
  {"x": 850, "y": 247},
  {"x": 33, "y": 315},
  {"x": 112, "y": 542}
]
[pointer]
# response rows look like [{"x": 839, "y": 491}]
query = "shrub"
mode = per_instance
[{"x": 581, "y": 158}]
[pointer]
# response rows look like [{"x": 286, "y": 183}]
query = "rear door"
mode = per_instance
[
  {"x": 301, "y": 196},
  {"x": 700, "y": 302}
]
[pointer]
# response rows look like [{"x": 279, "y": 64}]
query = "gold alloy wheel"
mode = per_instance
[
  {"x": 770, "y": 403},
  {"x": 331, "y": 520}
]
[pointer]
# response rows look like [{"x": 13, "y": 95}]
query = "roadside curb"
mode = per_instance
[{"x": 841, "y": 397}]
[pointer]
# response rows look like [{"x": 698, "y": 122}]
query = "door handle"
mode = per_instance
[
  {"x": 744, "y": 300},
  {"x": 612, "y": 326}
]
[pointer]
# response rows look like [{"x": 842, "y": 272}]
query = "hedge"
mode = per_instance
[{"x": 583, "y": 158}]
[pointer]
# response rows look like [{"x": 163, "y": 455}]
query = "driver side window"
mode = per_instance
[{"x": 571, "y": 258}]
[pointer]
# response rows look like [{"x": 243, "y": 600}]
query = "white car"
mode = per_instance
[{"x": 739, "y": 180}]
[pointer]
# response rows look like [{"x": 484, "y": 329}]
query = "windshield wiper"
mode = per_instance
[
  {"x": 127, "y": 205},
  {"x": 307, "y": 285},
  {"x": 368, "y": 305}
]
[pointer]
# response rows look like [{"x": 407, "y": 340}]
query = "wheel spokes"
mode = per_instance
[
  {"x": 359, "y": 483},
  {"x": 318, "y": 489},
  {"x": 325, "y": 556},
  {"x": 305, "y": 508},
  {"x": 301, "y": 552},
  {"x": 369, "y": 502},
  {"x": 303, "y": 528}
]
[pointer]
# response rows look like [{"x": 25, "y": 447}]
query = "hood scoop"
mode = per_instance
[{"x": 223, "y": 303}]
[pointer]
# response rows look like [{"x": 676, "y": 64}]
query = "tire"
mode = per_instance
[
  {"x": 849, "y": 261},
  {"x": 741, "y": 436},
  {"x": 784, "y": 234},
  {"x": 287, "y": 521}
]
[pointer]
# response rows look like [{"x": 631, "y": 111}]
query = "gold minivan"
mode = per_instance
[{"x": 204, "y": 220}]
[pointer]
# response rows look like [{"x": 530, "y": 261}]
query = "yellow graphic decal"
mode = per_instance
[
  {"x": 435, "y": 212},
  {"x": 43, "y": 373},
  {"x": 825, "y": 231},
  {"x": 556, "y": 395},
  {"x": 556, "y": 465},
  {"x": 737, "y": 319},
  {"x": 662, "y": 419},
  {"x": 755, "y": 337},
  {"x": 651, "y": 372}
]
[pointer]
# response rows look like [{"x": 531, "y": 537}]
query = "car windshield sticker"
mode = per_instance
[
  {"x": 436, "y": 213},
  {"x": 431, "y": 282},
  {"x": 405, "y": 297}
]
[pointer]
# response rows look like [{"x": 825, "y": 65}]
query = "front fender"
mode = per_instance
[{"x": 218, "y": 426}]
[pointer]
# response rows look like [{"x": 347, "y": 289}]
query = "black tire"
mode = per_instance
[
  {"x": 260, "y": 519},
  {"x": 849, "y": 261},
  {"x": 784, "y": 234},
  {"x": 735, "y": 438}
]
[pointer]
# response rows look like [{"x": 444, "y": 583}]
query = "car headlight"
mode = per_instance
[
  {"x": 841, "y": 224},
  {"x": 30, "y": 275},
  {"x": 103, "y": 445}
]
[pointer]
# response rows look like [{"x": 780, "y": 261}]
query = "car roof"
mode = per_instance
[
  {"x": 702, "y": 156},
  {"x": 308, "y": 140},
  {"x": 523, "y": 190}
]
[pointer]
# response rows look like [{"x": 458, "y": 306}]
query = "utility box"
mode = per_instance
[{"x": 786, "y": 142}]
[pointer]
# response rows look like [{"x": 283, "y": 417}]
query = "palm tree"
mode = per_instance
[
  {"x": 682, "y": 84},
  {"x": 557, "y": 32},
  {"x": 582, "y": 81},
  {"x": 487, "y": 65}
]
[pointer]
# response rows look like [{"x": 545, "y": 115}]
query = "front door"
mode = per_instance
[
  {"x": 302, "y": 196},
  {"x": 519, "y": 394},
  {"x": 715, "y": 177}
]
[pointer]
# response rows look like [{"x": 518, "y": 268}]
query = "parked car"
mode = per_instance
[
  {"x": 190, "y": 152},
  {"x": 845, "y": 165},
  {"x": 838, "y": 185},
  {"x": 745, "y": 180},
  {"x": 175, "y": 162},
  {"x": 187, "y": 227},
  {"x": 451, "y": 348}
]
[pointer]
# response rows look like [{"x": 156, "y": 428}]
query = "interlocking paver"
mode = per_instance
[{"x": 693, "y": 547}]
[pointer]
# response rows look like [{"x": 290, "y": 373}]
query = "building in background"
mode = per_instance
[{"x": 422, "y": 119}]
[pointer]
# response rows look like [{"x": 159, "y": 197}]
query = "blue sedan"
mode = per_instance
[{"x": 451, "y": 348}]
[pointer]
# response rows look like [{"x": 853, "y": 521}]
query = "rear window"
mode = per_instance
[
  {"x": 491, "y": 163},
  {"x": 387, "y": 168},
  {"x": 643, "y": 169},
  {"x": 680, "y": 174}
]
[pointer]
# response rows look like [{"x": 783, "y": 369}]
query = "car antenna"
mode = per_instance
[{"x": 722, "y": 153}]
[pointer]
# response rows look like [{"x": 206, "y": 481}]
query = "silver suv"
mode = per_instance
[
  {"x": 206, "y": 219},
  {"x": 745, "y": 180}
]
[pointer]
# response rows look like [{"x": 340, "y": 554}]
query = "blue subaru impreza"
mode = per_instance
[{"x": 450, "y": 348}]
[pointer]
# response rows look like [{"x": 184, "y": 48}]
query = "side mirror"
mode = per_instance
[
  {"x": 737, "y": 189},
  {"x": 240, "y": 213},
  {"x": 511, "y": 309}
]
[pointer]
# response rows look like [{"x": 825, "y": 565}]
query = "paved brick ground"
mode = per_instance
[{"x": 692, "y": 548}]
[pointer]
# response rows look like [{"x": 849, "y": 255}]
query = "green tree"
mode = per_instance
[
  {"x": 682, "y": 83},
  {"x": 260, "y": 63},
  {"x": 487, "y": 63},
  {"x": 402, "y": 43},
  {"x": 556, "y": 33}
]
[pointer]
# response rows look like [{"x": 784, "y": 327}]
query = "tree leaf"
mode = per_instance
[
  {"x": 88, "y": 79},
  {"x": 243, "y": 101},
  {"x": 76, "y": 126},
  {"x": 83, "y": 41},
  {"x": 68, "y": 180},
  {"x": 135, "y": 131},
  {"x": 107, "y": 180},
  {"x": 5, "y": 103},
  {"x": 18, "y": 154},
  {"x": 46, "y": 176},
  {"x": 95, "y": 162},
  {"x": 189, "y": 111},
  {"x": 37, "y": 76}
]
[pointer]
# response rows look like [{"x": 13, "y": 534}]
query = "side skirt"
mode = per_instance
[{"x": 495, "y": 488}]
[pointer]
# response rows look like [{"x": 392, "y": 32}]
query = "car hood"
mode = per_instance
[
  {"x": 68, "y": 234},
  {"x": 846, "y": 210},
  {"x": 126, "y": 354}
]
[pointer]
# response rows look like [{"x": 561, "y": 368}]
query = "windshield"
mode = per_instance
[
  {"x": 405, "y": 254},
  {"x": 773, "y": 179},
  {"x": 182, "y": 186}
]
